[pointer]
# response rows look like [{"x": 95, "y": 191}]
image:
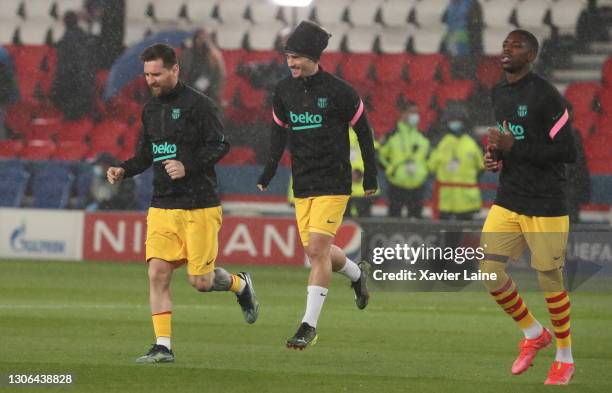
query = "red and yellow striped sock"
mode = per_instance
[
  {"x": 512, "y": 303},
  {"x": 559, "y": 308},
  {"x": 162, "y": 324}
]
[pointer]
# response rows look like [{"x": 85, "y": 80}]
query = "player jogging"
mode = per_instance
[
  {"x": 313, "y": 110},
  {"x": 532, "y": 145},
  {"x": 182, "y": 138}
]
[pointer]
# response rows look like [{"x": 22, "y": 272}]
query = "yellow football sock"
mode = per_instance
[{"x": 162, "y": 324}]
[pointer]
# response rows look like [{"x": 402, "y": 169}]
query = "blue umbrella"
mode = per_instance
[{"x": 129, "y": 67}]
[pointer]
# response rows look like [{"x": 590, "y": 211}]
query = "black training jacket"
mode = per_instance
[
  {"x": 532, "y": 180},
  {"x": 182, "y": 125},
  {"x": 314, "y": 114}
]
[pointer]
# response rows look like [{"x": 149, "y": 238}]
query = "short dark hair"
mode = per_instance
[
  {"x": 531, "y": 40},
  {"x": 71, "y": 20},
  {"x": 160, "y": 51}
]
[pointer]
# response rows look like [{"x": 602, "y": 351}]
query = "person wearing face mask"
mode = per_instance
[
  {"x": 106, "y": 196},
  {"x": 457, "y": 159},
  {"x": 403, "y": 155}
]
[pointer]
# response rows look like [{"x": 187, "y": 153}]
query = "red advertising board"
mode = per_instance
[{"x": 243, "y": 240}]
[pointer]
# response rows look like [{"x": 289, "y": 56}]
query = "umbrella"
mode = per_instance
[{"x": 129, "y": 67}]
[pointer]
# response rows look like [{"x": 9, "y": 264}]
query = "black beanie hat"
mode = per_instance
[{"x": 308, "y": 39}]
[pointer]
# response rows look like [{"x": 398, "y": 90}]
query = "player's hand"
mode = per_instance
[
  {"x": 261, "y": 187},
  {"x": 491, "y": 164},
  {"x": 115, "y": 174},
  {"x": 501, "y": 140},
  {"x": 174, "y": 168},
  {"x": 370, "y": 192}
]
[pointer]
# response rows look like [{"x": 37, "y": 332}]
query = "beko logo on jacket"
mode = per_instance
[
  {"x": 163, "y": 151},
  {"x": 305, "y": 121}
]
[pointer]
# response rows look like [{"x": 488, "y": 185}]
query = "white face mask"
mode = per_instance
[
  {"x": 456, "y": 126},
  {"x": 413, "y": 119},
  {"x": 98, "y": 170}
]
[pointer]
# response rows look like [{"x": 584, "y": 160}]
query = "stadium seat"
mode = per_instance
[
  {"x": 10, "y": 11},
  {"x": 363, "y": 12},
  {"x": 531, "y": 15},
  {"x": 166, "y": 11},
  {"x": 332, "y": 60},
  {"x": 386, "y": 98},
  {"x": 489, "y": 71},
  {"x": 394, "y": 39},
  {"x": 456, "y": 90},
  {"x": 38, "y": 150},
  {"x": 200, "y": 11},
  {"x": 330, "y": 12},
  {"x": 564, "y": 15},
  {"x": 13, "y": 184},
  {"x": 390, "y": 67},
  {"x": 296, "y": 14},
  {"x": 497, "y": 13},
  {"x": 67, "y": 5},
  {"x": 585, "y": 123},
  {"x": 34, "y": 33},
  {"x": 10, "y": 148},
  {"x": 394, "y": 13},
  {"x": 70, "y": 151},
  {"x": 606, "y": 73},
  {"x": 357, "y": 68},
  {"x": 239, "y": 155},
  {"x": 44, "y": 128},
  {"x": 136, "y": 31},
  {"x": 75, "y": 130},
  {"x": 136, "y": 11},
  {"x": 39, "y": 10},
  {"x": 428, "y": 117},
  {"x": 383, "y": 121},
  {"x": 421, "y": 93},
  {"x": 426, "y": 41},
  {"x": 7, "y": 31},
  {"x": 19, "y": 116},
  {"x": 231, "y": 36},
  {"x": 603, "y": 128},
  {"x": 232, "y": 58},
  {"x": 597, "y": 151},
  {"x": 605, "y": 101},
  {"x": 338, "y": 32},
  {"x": 362, "y": 39},
  {"x": 582, "y": 96},
  {"x": 51, "y": 185},
  {"x": 105, "y": 136},
  {"x": 429, "y": 14},
  {"x": 429, "y": 67},
  {"x": 492, "y": 39},
  {"x": 264, "y": 12},
  {"x": 263, "y": 36},
  {"x": 232, "y": 12}
]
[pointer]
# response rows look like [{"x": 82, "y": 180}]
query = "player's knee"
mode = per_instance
[
  {"x": 551, "y": 280},
  {"x": 316, "y": 252},
  {"x": 202, "y": 283},
  {"x": 159, "y": 276},
  {"x": 496, "y": 273}
]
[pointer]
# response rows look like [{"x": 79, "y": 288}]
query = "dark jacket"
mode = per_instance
[{"x": 182, "y": 125}]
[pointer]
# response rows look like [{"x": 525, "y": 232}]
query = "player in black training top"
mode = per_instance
[
  {"x": 312, "y": 109},
  {"x": 532, "y": 144},
  {"x": 182, "y": 138}
]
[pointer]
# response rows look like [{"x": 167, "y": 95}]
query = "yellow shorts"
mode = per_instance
[
  {"x": 506, "y": 234},
  {"x": 176, "y": 235},
  {"x": 320, "y": 214}
]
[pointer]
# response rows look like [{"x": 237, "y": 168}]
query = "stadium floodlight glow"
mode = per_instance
[{"x": 292, "y": 3}]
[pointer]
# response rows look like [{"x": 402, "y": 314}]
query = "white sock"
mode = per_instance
[
  {"x": 165, "y": 341},
  {"x": 314, "y": 304},
  {"x": 533, "y": 331},
  {"x": 564, "y": 355},
  {"x": 350, "y": 270},
  {"x": 242, "y": 286}
]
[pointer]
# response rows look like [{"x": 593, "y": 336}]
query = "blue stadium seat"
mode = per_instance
[
  {"x": 144, "y": 188},
  {"x": 82, "y": 183},
  {"x": 13, "y": 183},
  {"x": 51, "y": 185}
]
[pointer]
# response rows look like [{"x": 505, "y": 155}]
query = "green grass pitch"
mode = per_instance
[{"x": 92, "y": 320}]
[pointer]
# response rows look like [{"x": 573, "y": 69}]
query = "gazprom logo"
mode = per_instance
[
  {"x": 163, "y": 151},
  {"x": 516, "y": 129},
  {"x": 305, "y": 121},
  {"x": 20, "y": 243}
]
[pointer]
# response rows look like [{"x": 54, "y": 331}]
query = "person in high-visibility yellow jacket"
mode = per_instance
[
  {"x": 457, "y": 159},
  {"x": 404, "y": 157},
  {"x": 358, "y": 205}
]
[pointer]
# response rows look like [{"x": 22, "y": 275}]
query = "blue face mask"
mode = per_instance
[{"x": 456, "y": 126}]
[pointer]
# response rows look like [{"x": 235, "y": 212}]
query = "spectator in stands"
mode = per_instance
[
  {"x": 578, "y": 177},
  {"x": 8, "y": 93},
  {"x": 202, "y": 66},
  {"x": 591, "y": 25},
  {"x": 457, "y": 159},
  {"x": 265, "y": 75},
  {"x": 106, "y": 196},
  {"x": 403, "y": 156},
  {"x": 463, "y": 40},
  {"x": 74, "y": 85}
]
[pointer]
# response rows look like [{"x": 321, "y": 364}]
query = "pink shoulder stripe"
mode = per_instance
[
  {"x": 357, "y": 114},
  {"x": 558, "y": 125},
  {"x": 278, "y": 121}
]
